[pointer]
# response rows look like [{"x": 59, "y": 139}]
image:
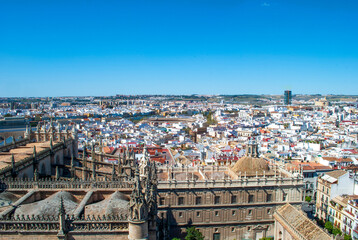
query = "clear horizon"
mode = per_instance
[{"x": 96, "y": 48}]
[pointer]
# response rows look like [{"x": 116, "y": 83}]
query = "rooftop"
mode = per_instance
[{"x": 301, "y": 223}]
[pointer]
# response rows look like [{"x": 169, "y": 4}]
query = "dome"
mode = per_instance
[{"x": 250, "y": 165}]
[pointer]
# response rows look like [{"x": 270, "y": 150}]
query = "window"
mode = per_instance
[
  {"x": 233, "y": 199},
  {"x": 217, "y": 200},
  {"x": 232, "y": 229},
  {"x": 161, "y": 201},
  {"x": 250, "y": 212},
  {"x": 180, "y": 214},
  {"x": 251, "y": 198},
  {"x": 248, "y": 228},
  {"x": 268, "y": 197},
  {"x": 180, "y": 201},
  {"x": 198, "y": 200},
  {"x": 198, "y": 214},
  {"x": 216, "y": 236},
  {"x": 269, "y": 211},
  {"x": 216, "y": 213},
  {"x": 284, "y": 197},
  {"x": 233, "y": 212}
]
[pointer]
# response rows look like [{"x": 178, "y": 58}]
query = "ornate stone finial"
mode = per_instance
[
  {"x": 13, "y": 170},
  {"x": 138, "y": 206},
  {"x": 84, "y": 153},
  {"x": 34, "y": 152},
  {"x": 62, "y": 219},
  {"x": 36, "y": 175},
  {"x": 62, "y": 210},
  {"x": 51, "y": 143},
  {"x": 93, "y": 170},
  {"x": 113, "y": 171},
  {"x": 72, "y": 166},
  {"x": 72, "y": 160},
  {"x": 124, "y": 157},
  {"x": 57, "y": 173},
  {"x": 93, "y": 153},
  {"x": 27, "y": 132},
  {"x": 51, "y": 125}
]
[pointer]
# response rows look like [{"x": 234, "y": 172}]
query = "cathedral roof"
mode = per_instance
[
  {"x": 115, "y": 204},
  {"x": 49, "y": 206}
]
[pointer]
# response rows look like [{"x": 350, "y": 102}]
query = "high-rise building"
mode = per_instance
[{"x": 287, "y": 97}]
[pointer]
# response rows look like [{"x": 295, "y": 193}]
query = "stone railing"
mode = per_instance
[
  {"x": 52, "y": 224},
  {"x": 13, "y": 184},
  {"x": 21, "y": 142},
  {"x": 224, "y": 183}
]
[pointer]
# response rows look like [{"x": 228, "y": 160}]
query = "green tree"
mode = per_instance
[
  {"x": 308, "y": 199},
  {"x": 176, "y": 239},
  {"x": 347, "y": 237},
  {"x": 328, "y": 226},
  {"x": 336, "y": 231},
  {"x": 193, "y": 234}
]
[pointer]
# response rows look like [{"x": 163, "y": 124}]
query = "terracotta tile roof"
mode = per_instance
[
  {"x": 330, "y": 159},
  {"x": 303, "y": 226},
  {"x": 336, "y": 174}
]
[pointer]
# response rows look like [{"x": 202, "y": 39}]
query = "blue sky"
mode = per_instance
[{"x": 89, "y": 47}]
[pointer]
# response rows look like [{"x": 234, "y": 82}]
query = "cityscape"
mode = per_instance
[
  {"x": 179, "y": 120},
  {"x": 151, "y": 167}
]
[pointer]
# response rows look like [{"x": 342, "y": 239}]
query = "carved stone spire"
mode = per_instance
[
  {"x": 94, "y": 169},
  {"x": 94, "y": 161},
  {"x": 34, "y": 152},
  {"x": 84, "y": 159},
  {"x": 57, "y": 173},
  {"x": 137, "y": 206},
  {"x": 51, "y": 144},
  {"x": 113, "y": 172},
  {"x": 13, "y": 169},
  {"x": 36, "y": 175},
  {"x": 93, "y": 155},
  {"x": 72, "y": 166},
  {"x": 62, "y": 220},
  {"x": 124, "y": 157},
  {"x": 27, "y": 132},
  {"x": 62, "y": 210},
  {"x": 84, "y": 164},
  {"x": 34, "y": 162}
]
